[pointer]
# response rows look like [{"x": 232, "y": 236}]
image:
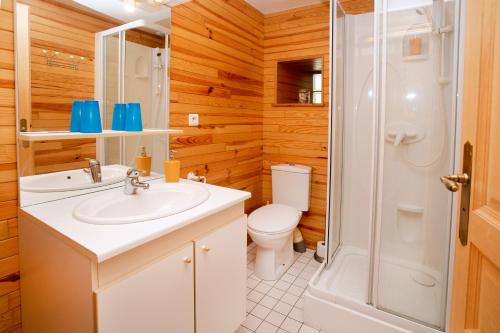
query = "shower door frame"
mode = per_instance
[
  {"x": 335, "y": 157},
  {"x": 334, "y": 190}
]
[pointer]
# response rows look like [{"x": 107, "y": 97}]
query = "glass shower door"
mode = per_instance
[{"x": 416, "y": 147}]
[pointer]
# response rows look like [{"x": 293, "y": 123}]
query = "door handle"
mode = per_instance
[{"x": 452, "y": 182}]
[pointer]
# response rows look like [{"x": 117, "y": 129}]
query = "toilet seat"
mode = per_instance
[{"x": 274, "y": 219}]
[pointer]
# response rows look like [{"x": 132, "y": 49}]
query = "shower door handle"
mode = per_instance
[{"x": 452, "y": 183}]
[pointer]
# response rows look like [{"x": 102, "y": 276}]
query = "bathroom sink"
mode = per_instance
[
  {"x": 71, "y": 180},
  {"x": 160, "y": 200}
]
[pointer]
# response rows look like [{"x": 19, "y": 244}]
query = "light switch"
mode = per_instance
[{"x": 194, "y": 119}]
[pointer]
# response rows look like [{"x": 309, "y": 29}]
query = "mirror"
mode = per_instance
[
  {"x": 299, "y": 81},
  {"x": 144, "y": 81},
  {"x": 66, "y": 52}
]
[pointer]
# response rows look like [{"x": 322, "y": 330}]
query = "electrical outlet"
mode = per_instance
[{"x": 194, "y": 119}]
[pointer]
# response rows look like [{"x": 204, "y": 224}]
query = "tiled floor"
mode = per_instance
[{"x": 276, "y": 306}]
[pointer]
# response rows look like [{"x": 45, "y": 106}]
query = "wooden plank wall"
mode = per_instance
[
  {"x": 10, "y": 314},
  {"x": 354, "y": 7},
  {"x": 217, "y": 71},
  {"x": 298, "y": 134}
]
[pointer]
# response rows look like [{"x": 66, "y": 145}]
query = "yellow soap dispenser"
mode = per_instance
[
  {"x": 143, "y": 162},
  {"x": 172, "y": 169}
]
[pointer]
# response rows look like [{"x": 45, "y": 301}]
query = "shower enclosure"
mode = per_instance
[{"x": 393, "y": 135}]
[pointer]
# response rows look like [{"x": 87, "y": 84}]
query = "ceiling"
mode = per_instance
[
  {"x": 116, "y": 9},
  {"x": 272, "y": 6}
]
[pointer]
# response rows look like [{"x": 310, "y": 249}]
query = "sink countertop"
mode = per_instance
[{"x": 106, "y": 241}]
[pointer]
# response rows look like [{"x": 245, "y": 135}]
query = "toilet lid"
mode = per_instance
[{"x": 274, "y": 218}]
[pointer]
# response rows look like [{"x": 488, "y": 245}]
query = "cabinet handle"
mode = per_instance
[
  {"x": 205, "y": 248},
  {"x": 188, "y": 260}
]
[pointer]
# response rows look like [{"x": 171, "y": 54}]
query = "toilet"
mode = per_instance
[{"x": 271, "y": 227}]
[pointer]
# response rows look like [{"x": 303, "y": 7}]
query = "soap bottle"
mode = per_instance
[
  {"x": 172, "y": 169},
  {"x": 143, "y": 162}
]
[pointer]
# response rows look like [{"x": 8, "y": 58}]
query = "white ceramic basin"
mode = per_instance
[
  {"x": 71, "y": 180},
  {"x": 160, "y": 200}
]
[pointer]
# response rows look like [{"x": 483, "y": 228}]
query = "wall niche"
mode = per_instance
[{"x": 299, "y": 82}]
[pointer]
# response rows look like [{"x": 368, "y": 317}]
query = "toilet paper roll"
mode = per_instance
[{"x": 321, "y": 249}]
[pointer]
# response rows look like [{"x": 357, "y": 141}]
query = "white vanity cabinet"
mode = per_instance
[
  {"x": 220, "y": 279},
  {"x": 158, "y": 298},
  {"x": 190, "y": 280}
]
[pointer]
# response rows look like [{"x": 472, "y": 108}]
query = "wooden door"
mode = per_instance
[
  {"x": 476, "y": 289},
  {"x": 156, "y": 299},
  {"x": 220, "y": 278}
]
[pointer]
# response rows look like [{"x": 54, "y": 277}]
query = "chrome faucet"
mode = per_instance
[
  {"x": 94, "y": 170},
  {"x": 194, "y": 177},
  {"x": 132, "y": 182}
]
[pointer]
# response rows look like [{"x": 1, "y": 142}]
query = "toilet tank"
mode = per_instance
[{"x": 291, "y": 185}]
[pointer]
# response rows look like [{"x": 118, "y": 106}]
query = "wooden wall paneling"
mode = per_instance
[
  {"x": 217, "y": 71},
  {"x": 10, "y": 315},
  {"x": 354, "y": 7},
  {"x": 297, "y": 134}
]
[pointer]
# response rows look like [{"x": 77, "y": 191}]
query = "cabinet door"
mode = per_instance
[
  {"x": 220, "y": 278},
  {"x": 159, "y": 298}
]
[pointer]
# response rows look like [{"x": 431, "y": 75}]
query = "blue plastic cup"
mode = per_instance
[
  {"x": 91, "y": 118},
  {"x": 133, "y": 120},
  {"x": 119, "y": 114},
  {"x": 76, "y": 116}
]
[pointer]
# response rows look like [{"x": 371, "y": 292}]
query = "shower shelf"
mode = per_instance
[{"x": 65, "y": 135}]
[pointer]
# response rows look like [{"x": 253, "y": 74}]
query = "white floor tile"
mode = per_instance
[
  {"x": 298, "y": 265},
  {"x": 304, "y": 260},
  {"x": 255, "y": 296},
  {"x": 307, "y": 329},
  {"x": 311, "y": 269},
  {"x": 306, "y": 275},
  {"x": 300, "y": 282},
  {"x": 270, "y": 282},
  {"x": 252, "y": 283},
  {"x": 300, "y": 303},
  {"x": 275, "y": 318},
  {"x": 266, "y": 327},
  {"x": 290, "y": 298},
  {"x": 277, "y": 306},
  {"x": 268, "y": 302},
  {"x": 276, "y": 293},
  {"x": 282, "y": 285},
  {"x": 250, "y": 305},
  {"x": 242, "y": 329},
  {"x": 263, "y": 288},
  {"x": 291, "y": 325},
  {"x": 295, "y": 290},
  {"x": 252, "y": 322},
  {"x": 288, "y": 278},
  {"x": 296, "y": 314},
  {"x": 283, "y": 308},
  {"x": 260, "y": 311}
]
